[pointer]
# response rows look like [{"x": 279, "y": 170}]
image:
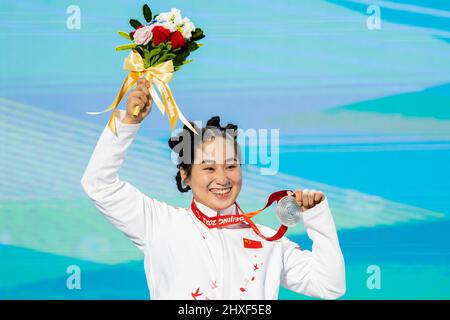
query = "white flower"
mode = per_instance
[
  {"x": 168, "y": 25},
  {"x": 176, "y": 16},
  {"x": 187, "y": 28},
  {"x": 170, "y": 20},
  {"x": 163, "y": 16},
  {"x": 173, "y": 21}
]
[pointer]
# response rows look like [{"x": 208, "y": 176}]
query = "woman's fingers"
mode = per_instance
[
  {"x": 147, "y": 108},
  {"x": 140, "y": 95},
  {"x": 318, "y": 197},
  {"x": 149, "y": 100},
  {"x": 133, "y": 101},
  {"x": 143, "y": 82},
  {"x": 308, "y": 198},
  {"x": 143, "y": 89},
  {"x": 311, "y": 198},
  {"x": 306, "y": 204},
  {"x": 143, "y": 86},
  {"x": 298, "y": 197}
]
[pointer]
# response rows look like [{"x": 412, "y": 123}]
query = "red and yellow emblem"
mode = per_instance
[{"x": 252, "y": 244}]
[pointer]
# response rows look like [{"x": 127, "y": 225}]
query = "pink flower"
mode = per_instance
[
  {"x": 132, "y": 32},
  {"x": 143, "y": 35}
]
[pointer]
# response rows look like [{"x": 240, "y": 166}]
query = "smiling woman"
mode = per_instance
[{"x": 210, "y": 250}]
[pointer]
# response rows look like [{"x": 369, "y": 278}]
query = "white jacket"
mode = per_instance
[{"x": 186, "y": 260}]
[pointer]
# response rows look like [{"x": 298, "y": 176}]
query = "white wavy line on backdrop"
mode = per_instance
[{"x": 405, "y": 7}]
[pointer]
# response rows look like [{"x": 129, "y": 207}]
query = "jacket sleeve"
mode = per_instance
[
  {"x": 127, "y": 208},
  {"x": 320, "y": 272}
]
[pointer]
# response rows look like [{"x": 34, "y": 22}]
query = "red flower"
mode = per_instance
[
  {"x": 177, "y": 40},
  {"x": 160, "y": 35},
  {"x": 132, "y": 32}
]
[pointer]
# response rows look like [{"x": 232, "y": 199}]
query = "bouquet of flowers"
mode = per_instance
[{"x": 158, "y": 49}]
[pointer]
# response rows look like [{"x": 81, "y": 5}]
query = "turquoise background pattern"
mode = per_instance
[{"x": 364, "y": 115}]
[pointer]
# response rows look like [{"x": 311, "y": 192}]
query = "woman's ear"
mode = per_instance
[{"x": 183, "y": 176}]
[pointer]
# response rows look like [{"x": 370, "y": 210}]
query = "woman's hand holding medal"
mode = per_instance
[{"x": 307, "y": 198}]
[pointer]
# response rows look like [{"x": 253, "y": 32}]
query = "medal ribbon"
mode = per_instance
[{"x": 230, "y": 219}]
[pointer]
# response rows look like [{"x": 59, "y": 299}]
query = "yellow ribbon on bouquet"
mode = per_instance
[{"x": 158, "y": 76}]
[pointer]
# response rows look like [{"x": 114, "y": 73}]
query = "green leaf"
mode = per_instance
[
  {"x": 151, "y": 56},
  {"x": 171, "y": 56},
  {"x": 178, "y": 60},
  {"x": 147, "y": 13},
  {"x": 126, "y": 35},
  {"x": 140, "y": 51},
  {"x": 157, "y": 50},
  {"x": 193, "y": 46},
  {"x": 153, "y": 60},
  {"x": 197, "y": 34},
  {"x": 165, "y": 57},
  {"x": 196, "y": 38},
  {"x": 135, "y": 23},
  {"x": 182, "y": 55},
  {"x": 152, "y": 53},
  {"x": 126, "y": 47}
]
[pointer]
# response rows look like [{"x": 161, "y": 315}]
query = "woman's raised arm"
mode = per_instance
[
  {"x": 320, "y": 272},
  {"x": 126, "y": 207}
]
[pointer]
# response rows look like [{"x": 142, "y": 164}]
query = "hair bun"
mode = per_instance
[
  {"x": 214, "y": 122},
  {"x": 231, "y": 126}
]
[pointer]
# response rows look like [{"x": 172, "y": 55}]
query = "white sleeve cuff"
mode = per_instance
[
  {"x": 125, "y": 127},
  {"x": 310, "y": 214}
]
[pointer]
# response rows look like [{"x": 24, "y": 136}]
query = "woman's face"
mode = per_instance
[{"x": 216, "y": 176}]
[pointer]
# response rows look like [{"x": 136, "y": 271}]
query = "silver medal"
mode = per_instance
[{"x": 288, "y": 212}]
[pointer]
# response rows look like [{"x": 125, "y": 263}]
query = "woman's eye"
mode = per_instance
[
  {"x": 209, "y": 169},
  {"x": 231, "y": 166}
]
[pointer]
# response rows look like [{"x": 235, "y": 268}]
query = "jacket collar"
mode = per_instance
[{"x": 212, "y": 213}]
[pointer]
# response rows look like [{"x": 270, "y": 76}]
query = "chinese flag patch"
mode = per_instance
[{"x": 252, "y": 244}]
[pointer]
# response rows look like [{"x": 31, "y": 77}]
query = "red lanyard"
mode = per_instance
[{"x": 230, "y": 219}]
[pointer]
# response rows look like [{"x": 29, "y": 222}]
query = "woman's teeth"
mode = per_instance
[{"x": 220, "y": 191}]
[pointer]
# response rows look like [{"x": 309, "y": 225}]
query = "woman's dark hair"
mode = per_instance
[{"x": 186, "y": 142}]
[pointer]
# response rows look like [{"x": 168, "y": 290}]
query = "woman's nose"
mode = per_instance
[{"x": 221, "y": 176}]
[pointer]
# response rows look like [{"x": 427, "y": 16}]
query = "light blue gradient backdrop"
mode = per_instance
[{"x": 364, "y": 115}]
